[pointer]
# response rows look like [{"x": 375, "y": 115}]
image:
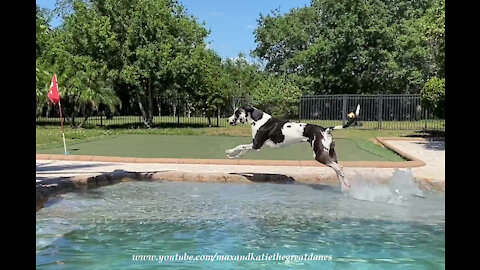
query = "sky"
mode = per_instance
[{"x": 231, "y": 22}]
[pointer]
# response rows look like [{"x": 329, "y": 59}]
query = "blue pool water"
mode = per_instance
[{"x": 390, "y": 227}]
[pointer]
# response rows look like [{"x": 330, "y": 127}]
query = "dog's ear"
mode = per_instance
[
  {"x": 248, "y": 108},
  {"x": 257, "y": 115}
]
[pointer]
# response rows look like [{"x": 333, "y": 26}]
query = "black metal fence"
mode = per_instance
[
  {"x": 166, "y": 113},
  {"x": 400, "y": 112}
]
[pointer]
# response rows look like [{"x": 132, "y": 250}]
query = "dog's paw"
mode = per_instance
[
  {"x": 345, "y": 186},
  {"x": 230, "y": 156},
  {"x": 232, "y": 152}
]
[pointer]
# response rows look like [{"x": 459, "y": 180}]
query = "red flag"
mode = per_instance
[{"x": 53, "y": 92}]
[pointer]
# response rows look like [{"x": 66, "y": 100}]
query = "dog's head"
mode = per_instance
[
  {"x": 245, "y": 114},
  {"x": 239, "y": 116}
]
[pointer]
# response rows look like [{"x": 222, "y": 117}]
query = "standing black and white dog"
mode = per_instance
[{"x": 276, "y": 133}]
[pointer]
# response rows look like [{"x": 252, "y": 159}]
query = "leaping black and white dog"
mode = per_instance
[{"x": 276, "y": 133}]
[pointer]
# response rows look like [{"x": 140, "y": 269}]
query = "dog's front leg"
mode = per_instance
[{"x": 238, "y": 151}]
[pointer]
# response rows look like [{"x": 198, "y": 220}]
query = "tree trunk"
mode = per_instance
[
  {"x": 142, "y": 110},
  {"x": 86, "y": 116},
  {"x": 75, "y": 101},
  {"x": 83, "y": 110},
  {"x": 80, "y": 111},
  {"x": 150, "y": 102},
  {"x": 189, "y": 109},
  {"x": 174, "y": 101},
  {"x": 174, "y": 108},
  {"x": 72, "y": 118},
  {"x": 49, "y": 108},
  {"x": 159, "y": 107}
]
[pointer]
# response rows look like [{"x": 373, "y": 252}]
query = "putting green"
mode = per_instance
[{"x": 213, "y": 147}]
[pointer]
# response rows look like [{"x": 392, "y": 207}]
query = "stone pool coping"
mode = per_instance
[
  {"x": 410, "y": 163},
  {"x": 278, "y": 172}
]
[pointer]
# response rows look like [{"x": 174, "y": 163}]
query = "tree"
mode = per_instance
[
  {"x": 433, "y": 96},
  {"x": 156, "y": 41},
  {"x": 83, "y": 84},
  {"x": 84, "y": 79},
  {"x": 278, "y": 95},
  {"x": 42, "y": 74},
  {"x": 212, "y": 86},
  {"x": 242, "y": 75},
  {"x": 142, "y": 49},
  {"x": 434, "y": 32},
  {"x": 341, "y": 47}
]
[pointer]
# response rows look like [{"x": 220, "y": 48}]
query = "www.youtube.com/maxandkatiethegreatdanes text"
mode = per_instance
[{"x": 220, "y": 257}]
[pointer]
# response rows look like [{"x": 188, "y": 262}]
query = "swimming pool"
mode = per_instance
[{"x": 389, "y": 227}]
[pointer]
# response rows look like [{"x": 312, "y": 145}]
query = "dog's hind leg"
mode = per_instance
[
  {"x": 329, "y": 159},
  {"x": 341, "y": 176}
]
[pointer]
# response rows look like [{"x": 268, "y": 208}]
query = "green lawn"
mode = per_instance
[
  {"x": 351, "y": 144},
  {"x": 184, "y": 146}
]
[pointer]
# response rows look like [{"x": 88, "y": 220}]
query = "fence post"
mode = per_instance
[
  {"x": 380, "y": 106},
  {"x": 344, "y": 109},
  {"x": 101, "y": 122},
  {"x": 300, "y": 109},
  {"x": 426, "y": 116}
]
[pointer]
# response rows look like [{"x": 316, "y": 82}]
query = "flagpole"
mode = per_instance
[
  {"x": 61, "y": 124},
  {"x": 54, "y": 97}
]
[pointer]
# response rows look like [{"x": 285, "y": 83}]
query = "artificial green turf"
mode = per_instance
[{"x": 179, "y": 146}]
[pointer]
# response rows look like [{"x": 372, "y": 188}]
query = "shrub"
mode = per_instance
[
  {"x": 278, "y": 96},
  {"x": 433, "y": 96}
]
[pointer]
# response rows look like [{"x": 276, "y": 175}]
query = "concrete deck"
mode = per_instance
[
  {"x": 431, "y": 152},
  {"x": 56, "y": 176}
]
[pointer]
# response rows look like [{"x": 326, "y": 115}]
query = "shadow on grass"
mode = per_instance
[{"x": 434, "y": 134}]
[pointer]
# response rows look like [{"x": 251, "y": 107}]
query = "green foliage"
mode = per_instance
[
  {"x": 41, "y": 34},
  {"x": 41, "y": 85},
  {"x": 156, "y": 50},
  {"x": 243, "y": 77},
  {"x": 210, "y": 84},
  {"x": 433, "y": 96},
  {"x": 435, "y": 33},
  {"x": 136, "y": 53},
  {"x": 83, "y": 78},
  {"x": 352, "y": 46},
  {"x": 277, "y": 95},
  {"x": 135, "y": 49},
  {"x": 42, "y": 74}
]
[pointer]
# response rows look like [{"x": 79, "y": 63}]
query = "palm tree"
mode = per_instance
[{"x": 84, "y": 90}]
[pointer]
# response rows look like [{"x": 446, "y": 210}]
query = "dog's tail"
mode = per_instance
[{"x": 352, "y": 118}]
